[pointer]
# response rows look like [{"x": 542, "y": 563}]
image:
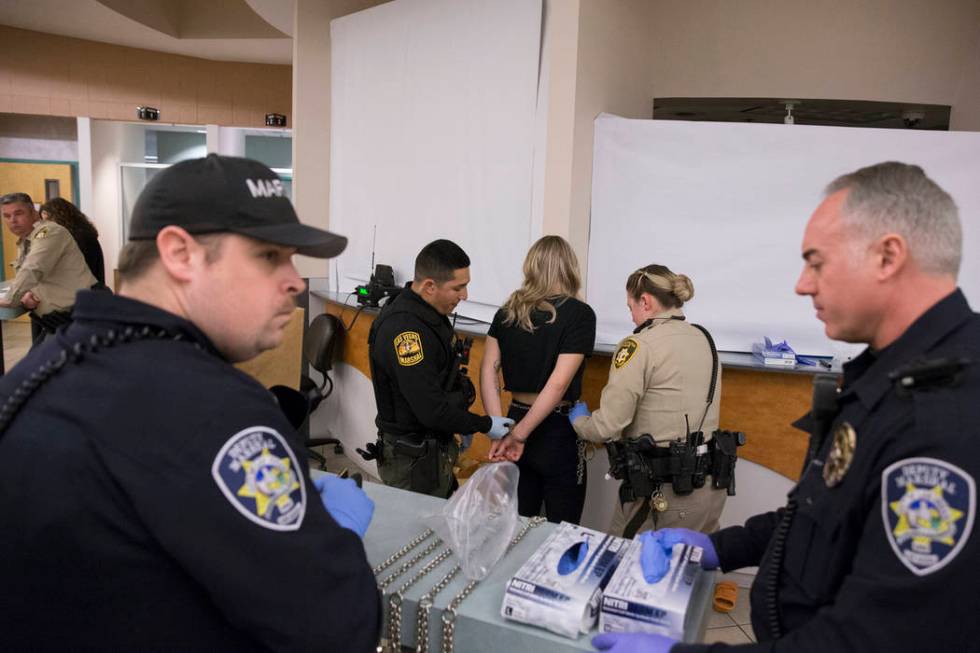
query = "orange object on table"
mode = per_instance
[{"x": 726, "y": 593}]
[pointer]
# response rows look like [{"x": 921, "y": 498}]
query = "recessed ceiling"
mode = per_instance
[{"x": 224, "y": 30}]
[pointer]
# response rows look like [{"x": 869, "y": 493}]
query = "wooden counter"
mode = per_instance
[{"x": 760, "y": 403}]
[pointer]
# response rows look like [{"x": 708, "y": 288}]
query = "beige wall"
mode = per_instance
[
  {"x": 54, "y": 75},
  {"x": 614, "y": 55},
  {"x": 888, "y": 50},
  {"x": 311, "y": 121},
  {"x": 631, "y": 51},
  {"x": 559, "y": 62}
]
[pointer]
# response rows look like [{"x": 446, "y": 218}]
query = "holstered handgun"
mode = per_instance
[
  {"x": 424, "y": 467},
  {"x": 724, "y": 455},
  {"x": 373, "y": 451},
  {"x": 639, "y": 474}
]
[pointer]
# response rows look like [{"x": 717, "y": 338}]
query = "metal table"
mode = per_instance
[{"x": 479, "y": 626}]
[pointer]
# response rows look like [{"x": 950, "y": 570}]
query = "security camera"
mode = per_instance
[
  {"x": 912, "y": 118},
  {"x": 147, "y": 113}
]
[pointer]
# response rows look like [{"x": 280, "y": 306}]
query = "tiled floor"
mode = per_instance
[
  {"x": 734, "y": 627},
  {"x": 16, "y": 342}
]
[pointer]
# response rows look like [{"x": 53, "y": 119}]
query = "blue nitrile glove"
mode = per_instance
[
  {"x": 654, "y": 559},
  {"x": 500, "y": 426},
  {"x": 580, "y": 409},
  {"x": 573, "y": 558},
  {"x": 465, "y": 440},
  {"x": 671, "y": 536},
  {"x": 633, "y": 643},
  {"x": 347, "y": 504}
]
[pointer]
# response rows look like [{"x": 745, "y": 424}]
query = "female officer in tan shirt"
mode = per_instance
[{"x": 658, "y": 384}]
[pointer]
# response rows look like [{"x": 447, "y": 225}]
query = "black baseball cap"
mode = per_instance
[{"x": 224, "y": 193}]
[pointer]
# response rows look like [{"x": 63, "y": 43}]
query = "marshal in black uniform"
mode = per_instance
[
  {"x": 153, "y": 497},
  {"x": 421, "y": 400},
  {"x": 421, "y": 394},
  {"x": 130, "y": 493},
  {"x": 877, "y": 549}
]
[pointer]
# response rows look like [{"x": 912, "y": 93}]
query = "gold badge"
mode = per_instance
[
  {"x": 408, "y": 348},
  {"x": 841, "y": 454},
  {"x": 41, "y": 233},
  {"x": 625, "y": 352}
]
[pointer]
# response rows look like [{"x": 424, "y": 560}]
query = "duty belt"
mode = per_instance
[
  {"x": 644, "y": 466},
  {"x": 413, "y": 444}
]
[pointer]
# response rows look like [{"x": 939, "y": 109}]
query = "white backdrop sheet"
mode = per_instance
[
  {"x": 432, "y": 136},
  {"x": 726, "y": 204}
]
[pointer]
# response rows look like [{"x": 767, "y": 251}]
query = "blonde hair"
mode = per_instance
[
  {"x": 670, "y": 289},
  {"x": 550, "y": 270}
]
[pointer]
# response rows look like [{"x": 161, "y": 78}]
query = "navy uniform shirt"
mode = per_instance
[
  {"x": 411, "y": 355},
  {"x": 152, "y": 498},
  {"x": 884, "y": 557}
]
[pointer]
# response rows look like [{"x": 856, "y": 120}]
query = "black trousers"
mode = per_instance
[
  {"x": 549, "y": 468},
  {"x": 42, "y": 327}
]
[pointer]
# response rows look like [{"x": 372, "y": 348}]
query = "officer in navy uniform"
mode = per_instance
[
  {"x": 421, "y": 395},
  {"x": 875, "y": 549},
  {"x": 153, "y": 497}
]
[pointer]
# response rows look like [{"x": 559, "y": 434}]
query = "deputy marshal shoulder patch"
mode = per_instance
[
  {"x": 625, "y": 352},
  {"x": 258, "y": 473},
  {"x": 928, "y": 506},
  {"x": 408, "y": 348}
]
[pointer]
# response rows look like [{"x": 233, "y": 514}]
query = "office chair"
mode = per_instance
[{"x": 319, "y": 347}]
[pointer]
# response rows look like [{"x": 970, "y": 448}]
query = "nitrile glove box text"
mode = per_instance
[
  {"x": 567, "y": 603},
  {"x": 632, "y": 605}
]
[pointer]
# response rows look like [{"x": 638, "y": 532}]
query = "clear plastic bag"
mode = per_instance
[{"x": 480, "y": 519}]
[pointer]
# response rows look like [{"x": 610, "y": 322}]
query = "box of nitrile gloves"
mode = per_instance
[
  {"x": 631, "y": 604},
  {"x": 559, "y": 586}
]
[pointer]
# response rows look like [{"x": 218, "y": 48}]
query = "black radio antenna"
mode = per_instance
[{"x": 374, "y": 240}]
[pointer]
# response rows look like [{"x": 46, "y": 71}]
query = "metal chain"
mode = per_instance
[
  {"x": 405, "y": 566},
  {"x": 449, "y": 615},
  {"x": 396, "y": 600},
  {"x": 580, "y": 468},
  {"x": 400, "y": 553},
  {"x": 425, "y": 609}
]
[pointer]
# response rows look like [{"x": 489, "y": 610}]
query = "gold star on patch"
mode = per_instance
[
  {"x": 269, "y": 480},
  {"x": 925, "y": 516}
]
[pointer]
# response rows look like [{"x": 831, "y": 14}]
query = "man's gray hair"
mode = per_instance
[
  {"x": 894, "y": 197},
  {"x": 14, "y": 198}
]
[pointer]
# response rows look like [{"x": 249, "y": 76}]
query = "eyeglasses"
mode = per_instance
[{"x": 11, "y": 198}]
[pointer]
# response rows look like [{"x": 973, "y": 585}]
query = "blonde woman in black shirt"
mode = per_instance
[{"x": 539, "y": 340}]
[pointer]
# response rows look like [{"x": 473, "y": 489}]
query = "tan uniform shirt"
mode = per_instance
[
  {"x": 51, "y": 266},
  {"x": 657, "y": 377}
]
